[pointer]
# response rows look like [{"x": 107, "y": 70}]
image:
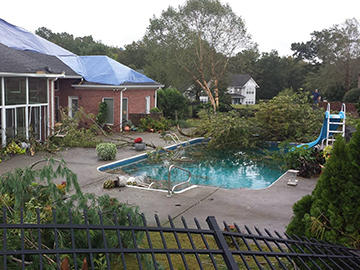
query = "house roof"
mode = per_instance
[
  {"x": 95, "y": 68},
  {"x": 21, "y": 39},
  {"x": 16, "y": 61},
  {"x": 105, "y": 70},
  {"x": 238, "y": 79}
]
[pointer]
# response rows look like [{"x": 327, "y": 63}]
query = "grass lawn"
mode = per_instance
[{"x": 191, "y": 260}]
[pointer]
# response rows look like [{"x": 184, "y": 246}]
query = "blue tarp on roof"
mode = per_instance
[
  {"x": 103, "y": 69},
  {"x": 96, "y": 68},
  {"x": 20, "y": 39}
]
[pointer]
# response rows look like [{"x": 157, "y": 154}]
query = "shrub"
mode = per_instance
[
  {"x": 155, "y": 110},
  {"x": 148, "y": 123},
  {"x": 307, "y": 161},
  {"x": 171, "y": 100},
  {"x": 102, "y": 113},
  {"x": 34, "y": 190},
  {"x": 106, "y": 151},
  {"x": 352, "y": 95},
  {"x": 331, "y": 212}
]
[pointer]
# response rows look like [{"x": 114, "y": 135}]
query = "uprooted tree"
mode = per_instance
[{"x": 200, "y": 36}]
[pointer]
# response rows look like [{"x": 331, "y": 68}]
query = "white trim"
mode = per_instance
[
  {"x": 147, "y": 104},
  {"x": 70, "y": 98},
  {"x": 155, "y": 102},
  {"x": 10, "y": 74},
  {"x": 48, "y": 107},
  {"x": 15, "y": 122},
  {"x": 3, "y": 113},
  {"x": 52, "y": 108},
  {"x": 113, "y": 109},
  {"x": 27, "y": 110},
  {"x": 116, "y": 87}
]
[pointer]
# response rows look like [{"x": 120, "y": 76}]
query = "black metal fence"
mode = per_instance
[{"x": 160, "y": 247}]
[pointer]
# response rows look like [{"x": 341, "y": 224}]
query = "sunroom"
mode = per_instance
[{"x": 25, "y": 106}]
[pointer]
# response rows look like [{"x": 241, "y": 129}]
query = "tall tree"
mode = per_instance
[
  {"x": 336, "y": 53},
  {"x": 201, "y": 35}
]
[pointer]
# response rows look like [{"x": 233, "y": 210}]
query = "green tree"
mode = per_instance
[
  {"x": 201, "y": 35},
  {"x": 171, "y": 100},
  {"x": 332, "y": 211},
  {"x": 79, "y": 45},
  {"x": 335, "y": 52}
]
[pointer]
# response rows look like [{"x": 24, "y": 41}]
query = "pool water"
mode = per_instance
[{"x": 231, "y": 169}]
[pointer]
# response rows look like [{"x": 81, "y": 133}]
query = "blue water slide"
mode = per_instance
[{"x": 331, "y": 118}]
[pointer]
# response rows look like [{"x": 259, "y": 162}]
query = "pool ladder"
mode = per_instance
[
  {"x": 171, "y": 190},
  {"x": 173, "y": 137}
]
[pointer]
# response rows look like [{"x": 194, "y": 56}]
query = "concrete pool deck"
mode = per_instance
[{"x": 269, "y": 208}]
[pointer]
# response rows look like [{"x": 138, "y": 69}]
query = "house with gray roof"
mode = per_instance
[{"x": 242, "y": 89}]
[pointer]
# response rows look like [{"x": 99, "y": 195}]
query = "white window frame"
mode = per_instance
[
  {"x": 127, "y": 109},
  {"x": 70, "y": 99},
  {"x": 27, "y": 106},
  {"x": 147, "y": 104},
  {"x": 103, "y": 99}
]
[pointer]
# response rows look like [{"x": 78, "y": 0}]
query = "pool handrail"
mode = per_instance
[{"x": 171, "y": 190}]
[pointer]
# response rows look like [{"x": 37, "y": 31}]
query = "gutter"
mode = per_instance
[
  {"x": 117, "y": 87},
  {"x": 10, "y": 74}
]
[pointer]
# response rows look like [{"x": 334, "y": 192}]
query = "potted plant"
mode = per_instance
[{"x": 139, "y": 145}]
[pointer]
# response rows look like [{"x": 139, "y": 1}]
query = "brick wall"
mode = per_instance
[{"x": 89, "y": 99}]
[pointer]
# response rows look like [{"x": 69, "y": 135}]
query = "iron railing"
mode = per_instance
[{"x": 165, "y": 247}]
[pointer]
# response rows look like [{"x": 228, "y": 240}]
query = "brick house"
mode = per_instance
[{"x": 38, "y": 77}]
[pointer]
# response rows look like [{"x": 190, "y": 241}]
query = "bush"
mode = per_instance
[
  {"x": 155, "y": 110},
  {"x": 289, "y": 116},
  {"x": 352, "y": 95},
  {"x": 171, "y": 100},
  {"x": 102, "y": 114},
  {"x": 106, "y": 151},
  {"x": 34, "y": 190},
  {"x": 148, "y": 123},
  {"x": 331, "y": 213},
  {"x": 307, "y": 161}
]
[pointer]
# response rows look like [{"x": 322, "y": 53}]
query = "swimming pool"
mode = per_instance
[{"x": 231, "y": 169}]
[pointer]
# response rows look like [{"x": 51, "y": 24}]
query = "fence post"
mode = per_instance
[{"x": 221, "y": 242}]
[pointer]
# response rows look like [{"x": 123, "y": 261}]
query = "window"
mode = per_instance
[
  {"x": 109, "y": 110},
  {"x": 15, "y": 91},
  {"x": 73, "y": 106},
  {"x": 56, "y": 85},
  {"x": 37, "y": 90}
]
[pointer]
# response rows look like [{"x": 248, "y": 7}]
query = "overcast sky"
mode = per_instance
[{"x": 273, "y": 24}]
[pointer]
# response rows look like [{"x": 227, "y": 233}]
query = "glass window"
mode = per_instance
[
  {"x": 109, "y": 110},
  {"x": 125, "y": 109},
  {"x": 73, "y": 106},
  {"x": 20, "y": 120},
  {"x": 15, "y": 91},
  {"x": 37, "y": 90}
]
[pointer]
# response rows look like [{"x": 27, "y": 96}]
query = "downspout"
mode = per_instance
[
  {"x": 121, "y": 108},
  {"x": 156, "y": 96}
]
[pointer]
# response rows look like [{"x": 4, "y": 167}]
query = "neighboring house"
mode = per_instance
[
  {"x": 38, "y": 77},
  {"x": 242, "y": 89}
]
